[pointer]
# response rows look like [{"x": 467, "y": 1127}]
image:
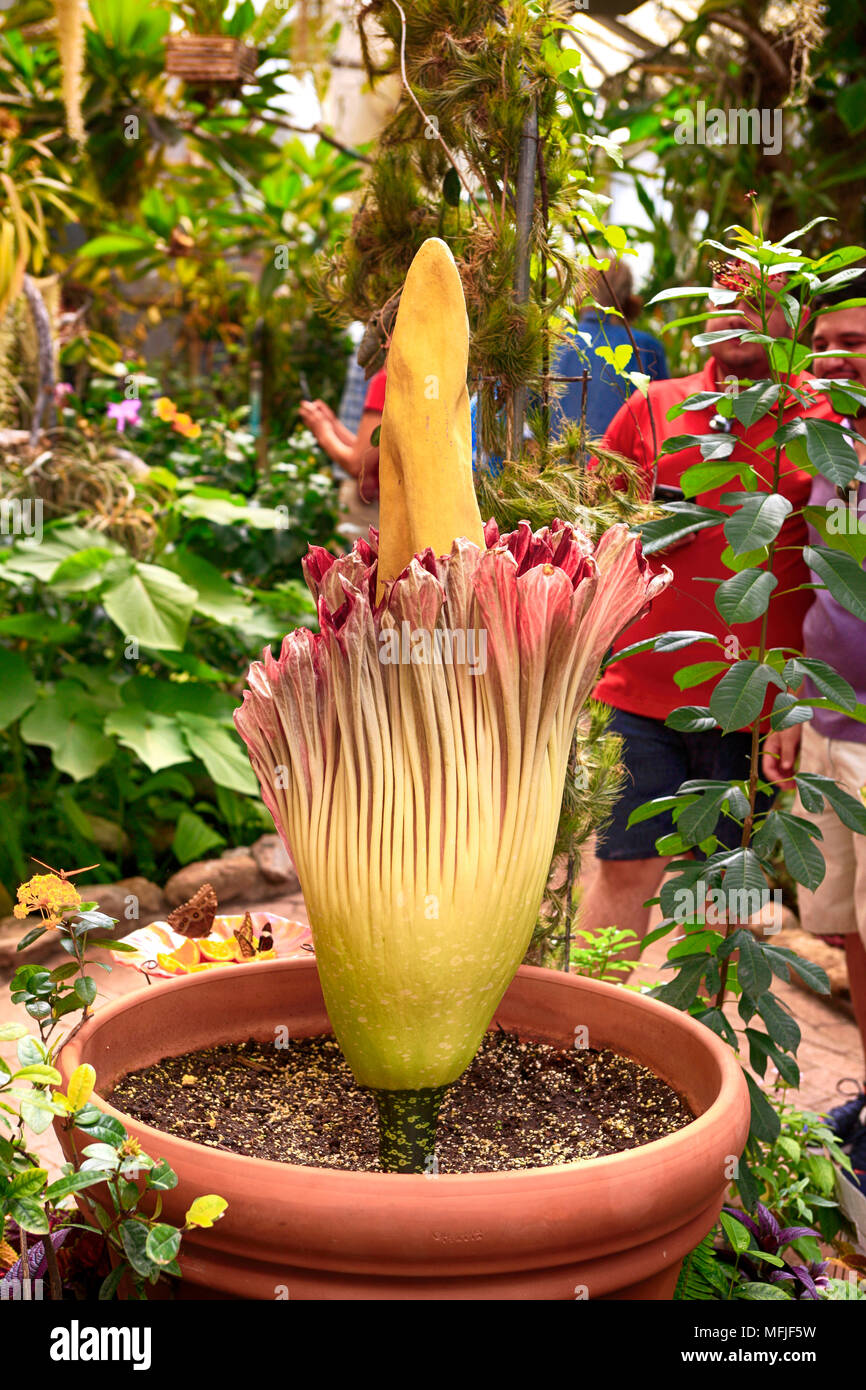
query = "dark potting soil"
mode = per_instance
[{"x": 521, "y": 1104}]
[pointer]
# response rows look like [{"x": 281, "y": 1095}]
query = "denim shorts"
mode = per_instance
[{"x": 657, "y": 761}]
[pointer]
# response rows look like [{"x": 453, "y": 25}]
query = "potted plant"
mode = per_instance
[{"x": 420, "y": 800}]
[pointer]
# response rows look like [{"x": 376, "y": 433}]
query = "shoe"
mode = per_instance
[{"x": 844, "y": 1120}]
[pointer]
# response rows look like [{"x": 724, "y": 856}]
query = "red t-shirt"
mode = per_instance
[
  {"x": 375, "y": 397},
  {"x": 644, "y": 684}
]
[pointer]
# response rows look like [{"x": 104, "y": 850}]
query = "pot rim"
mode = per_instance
[{"x": 660, "y": 1150}]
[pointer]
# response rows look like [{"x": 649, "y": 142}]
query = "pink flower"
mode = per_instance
[
  {"x": 125, "y": 412},
  {"x": 62, "y": 389}
]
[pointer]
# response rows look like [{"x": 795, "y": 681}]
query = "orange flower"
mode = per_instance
[
  {"x": 185, "y": 425},
  {"x": 165, "y": 409}
]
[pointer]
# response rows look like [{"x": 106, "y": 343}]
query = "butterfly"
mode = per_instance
[
  {"x": 195, "y": 918},
  {"x": 245, "y": 937},
  {"x": 63, "y": 873}
]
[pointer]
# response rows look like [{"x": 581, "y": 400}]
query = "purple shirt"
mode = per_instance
[{"x": 831, "y": 633}]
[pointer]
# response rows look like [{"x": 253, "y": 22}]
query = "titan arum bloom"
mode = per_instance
[{"x": 413, "y": 753}]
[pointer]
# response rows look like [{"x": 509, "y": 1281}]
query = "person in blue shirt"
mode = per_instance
[{"x": 606, "y": 391}]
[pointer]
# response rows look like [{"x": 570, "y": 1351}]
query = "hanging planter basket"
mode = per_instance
[{"x": 210, "y": 59}]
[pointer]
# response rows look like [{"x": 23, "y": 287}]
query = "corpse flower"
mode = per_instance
[{"x": 413, "y": 753}]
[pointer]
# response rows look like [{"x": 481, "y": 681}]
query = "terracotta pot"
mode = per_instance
[{"x": 613, "y": 1227}]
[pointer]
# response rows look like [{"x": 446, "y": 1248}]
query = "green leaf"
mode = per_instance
[
  {"x": 82, "y": 571},
  {"x": 222, "y": 753},
  {"x": 745, "y": 596},
  {"x": 782, "y": 1028},
  {"x": 154, "y": 738},
  {"x": 681, "y": 991},
  {"x": 753, "y": 971},
  {"x": 162, "y": 1244},
  {"x": 802, "y": 857},
  {"x": 17, "y": 687},
  {"x": 217, "y": 598},
  {"x": 73, "y": 1182},
  {"x": 738, "y": 698},
  {"x": 850, "y": 811},
  {"x": 691, "y": 719},
  {"x": 830, "y": 452},
  {"x": 152, "y": 605},
  {"x": 105, "y": 1128},
  {"x": 831, "y": 523},
  {"x": 688, "y": 676},
  {"x": 699, "y": 819},
  {"x": 108, "y": 1287},
  {"x": 27, "y": 1184},
  {"x": 766, "y": 1124},
  {"x": 117, "y": 245},
  {"x": 193, "y": 838},
  {"x": 78, "y": 746},
  {"x": 85, "y": 988},
  {"x": 842, "y": 575},
  {"x": 133, "y": 1235},
  {"x": 823, "y": 677},
  {"x": 756, "y": 402},
  {"x": 39, "y": 1074},
  {"x": 681, "y": 520},
  {"x": 757, "y": 521},
  {"x": 162, "y": 1176},
  {"x": 29, "y": 1214},
  {"x": 738, "y": 1236},
  {"x": 708, "y": 477}
]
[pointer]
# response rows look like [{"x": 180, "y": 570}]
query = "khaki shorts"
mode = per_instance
[
  {"x": 838, "y": 905},
  {"x": 357, "y": 516}
]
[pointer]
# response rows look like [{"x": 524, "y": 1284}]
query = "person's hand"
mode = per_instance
[
  {"x": 317, "y": 416},
  {"x": 779, "y": 757}
]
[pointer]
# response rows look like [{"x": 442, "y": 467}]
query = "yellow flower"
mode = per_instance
[
  {"x": 49, "y": 894},
  {"x": 165, "y": 408}
]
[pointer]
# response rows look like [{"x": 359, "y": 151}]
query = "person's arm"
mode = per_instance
[{"x": 345, "y": 448}]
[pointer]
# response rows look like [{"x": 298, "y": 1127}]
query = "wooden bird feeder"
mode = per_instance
[{"x": 210, "y": 59}]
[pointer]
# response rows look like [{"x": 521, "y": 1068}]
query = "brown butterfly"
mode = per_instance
[
  {"x": 246, "y": 938},
  {"x": 63, "y": 873},
  {"x": 195, "y": 918}
]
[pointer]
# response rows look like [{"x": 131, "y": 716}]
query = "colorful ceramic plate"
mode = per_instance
[{"x": 291, "y": 939}]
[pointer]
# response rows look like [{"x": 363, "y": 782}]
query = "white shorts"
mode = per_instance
[{"x": 838, "y": 905}]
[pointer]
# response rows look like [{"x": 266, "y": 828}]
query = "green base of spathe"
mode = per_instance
[{"x": 407, "y": 1129}]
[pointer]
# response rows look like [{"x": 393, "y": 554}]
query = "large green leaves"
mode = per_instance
[
  {"x": 70, "y": 724},
  {"x": 17, "y": 687},
  {"x": 153, "y": 605},
  {"x": 221, "y": 751},
  {"x": 154, "y": 738}
]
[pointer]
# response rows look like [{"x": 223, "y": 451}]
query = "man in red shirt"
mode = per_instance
[{"x": 642, "y": 689}]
